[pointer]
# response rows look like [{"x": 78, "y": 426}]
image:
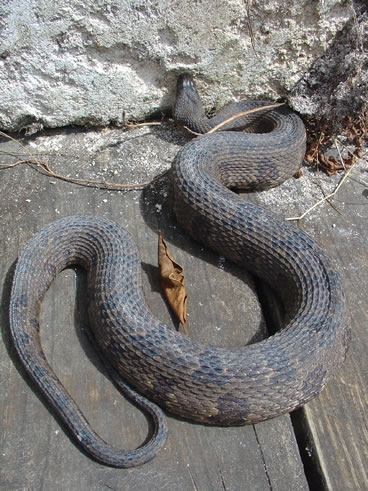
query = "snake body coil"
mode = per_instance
[{"x": 195, "y": 381}]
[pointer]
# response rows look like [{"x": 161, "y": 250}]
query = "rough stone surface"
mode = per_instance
[
  {"x": 86, "y": 63},
  {"x": 337, "y": 84}
]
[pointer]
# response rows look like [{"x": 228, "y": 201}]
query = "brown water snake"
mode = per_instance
[{"x": 200, "y": 382}]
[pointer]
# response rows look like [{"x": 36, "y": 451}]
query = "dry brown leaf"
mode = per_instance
[{"x": 172, "y": 282}]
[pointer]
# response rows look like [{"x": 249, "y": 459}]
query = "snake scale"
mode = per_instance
[{"x": 156, "y": 366}]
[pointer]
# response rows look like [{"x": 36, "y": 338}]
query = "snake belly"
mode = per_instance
[{"x": 157, "y": 366}]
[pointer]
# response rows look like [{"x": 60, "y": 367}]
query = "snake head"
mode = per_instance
[
  {"x": 188, "y": 106},
  {"x": 185, "y": 81}
]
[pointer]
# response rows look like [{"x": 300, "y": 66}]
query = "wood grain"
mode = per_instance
[{"x": 223, "y": 308}]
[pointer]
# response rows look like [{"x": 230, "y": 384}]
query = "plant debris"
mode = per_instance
[
  {"x": 172, "y": 282},
  {"x": 320, "y": 141}
]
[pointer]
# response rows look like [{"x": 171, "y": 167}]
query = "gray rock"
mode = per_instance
[
  {"x": 87, "y": 63},
  {"x": 337, "y": 84}
]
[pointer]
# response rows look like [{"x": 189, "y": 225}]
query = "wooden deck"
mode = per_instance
[{"x": 323, "y": 446}]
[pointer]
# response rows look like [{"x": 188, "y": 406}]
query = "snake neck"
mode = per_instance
[
  {"x": 188, "y": 110},
  {"x": 257, "y": 117}
]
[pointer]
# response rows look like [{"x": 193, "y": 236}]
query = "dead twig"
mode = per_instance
[
  {"x": 136, "y": 125},
  {"x": 244, "y": 113},
  {"x": 192, "y": 132},
  {"x": 13, "y": 164},
  {"x": 43, "y": 167},
  {"x": 236, "y": 116}
]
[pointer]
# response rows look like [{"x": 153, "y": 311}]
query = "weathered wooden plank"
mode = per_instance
[
  {"x": 336, "y": 421},
  {"x": 196, "y": 456}
]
